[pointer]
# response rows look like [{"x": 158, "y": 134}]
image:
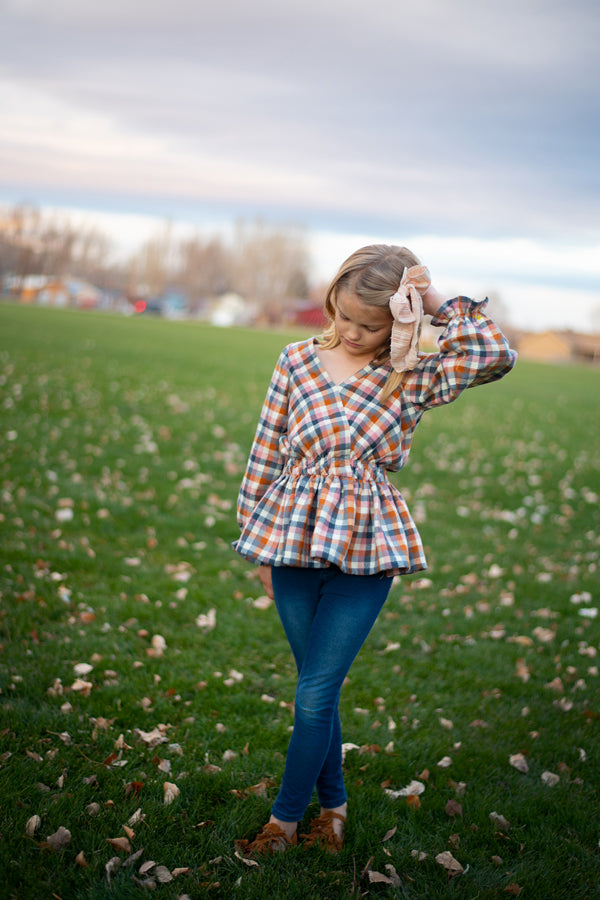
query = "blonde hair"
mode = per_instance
[{"x": 373, "y": 274}]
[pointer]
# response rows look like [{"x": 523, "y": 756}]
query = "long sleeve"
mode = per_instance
[
  {"x": 472, "y": 351},
  {"x": 265, "y": 462}
]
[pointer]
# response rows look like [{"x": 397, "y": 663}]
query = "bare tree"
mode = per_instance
[
  {"x": 154, "y": 265},
  {"x": 205, "y": 267},
  {"x": 270, "y": 266}
]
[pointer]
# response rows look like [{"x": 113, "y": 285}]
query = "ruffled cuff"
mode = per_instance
[{"x": 460, "y": 306}]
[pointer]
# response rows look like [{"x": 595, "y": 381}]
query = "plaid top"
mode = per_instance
[{"x": 316, "y": 490}]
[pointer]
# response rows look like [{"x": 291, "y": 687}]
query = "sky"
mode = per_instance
[{"x": 465, "y": 130}]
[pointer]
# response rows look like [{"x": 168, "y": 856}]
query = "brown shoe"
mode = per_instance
[
  {"x": 270, "y": 839},
  {"x": 322, "y": 833}
]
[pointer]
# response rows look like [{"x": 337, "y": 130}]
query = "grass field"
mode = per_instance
[{"x": 136, "y": 653}]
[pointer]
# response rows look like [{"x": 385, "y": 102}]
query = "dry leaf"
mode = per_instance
[
  {"x": 120, "y": 843},
  {"x": 111, "y": 866},
  {"x": 162, "y": 874},
  {"x": 445, "y": 762},
  {"x": 81, "y": 860},
  {"x": 389, "y": 834},
  {"x": 82, "y": 669},
  {"x": 453, "y": 808},
  {"x": 181, "y": 870},
  {"x": 247, "y": 862},
  {"x": 151, "y": 738},
  {"x": 550, "y": 779},
  {"x": 207, "y": 621},
  {"x": 518, "y": 761},
  {"x": 378, "y": 878},
  {"x": 513, "y": 889},
  {"x": 452, "y": 866},
  {"x": 498, "y": 821},
  {"x": 59, "y": 839},
  {"x": 133, "y": 858},
  {"x": 171, "y": 791},
  {"x": 411, "y": 790},
  {"x": 263, "y": 602},
  {"x": 146, "y": 866},
  {"x": 32, "y": 825}
]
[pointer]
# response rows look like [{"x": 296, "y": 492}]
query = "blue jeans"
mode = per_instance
[{"x": 326, "y": 615}]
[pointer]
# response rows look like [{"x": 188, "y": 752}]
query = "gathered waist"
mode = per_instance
[{"x": 356, "y": 469}]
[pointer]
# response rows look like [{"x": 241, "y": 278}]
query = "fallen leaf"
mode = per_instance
[
  {"x": 120, "y": 843},
  {"x": 59, "y": 839},
  {"x": 518, "y": 761},
  {"x": 550, "y": 779},
  {"x": 378, "y": 877},
  {"x": 133, "y": 787},
  {"x": 453, "y": 808},
  {"x": 207, "y": 621},
  {"x": 133, "y": 858},
  {"x": 81, "y": 860},
  {"x": 247, "y": 862},
  {"x": 445, "y": 762},
  {"x": 171, "y": 791},
  {"x": 162, "y": 874},
  {"x": 82, "y": 669},
  {"x": 111, "y": 866},
  {"x": 146, "y": 866},
  {"x": 452, "y": 866},
  {"x": 32, "y": 825},
  {"x": 513, "y": 889},
  {"x": 263, "y": 602},
  {"x": 151, "y": 738},
  {"x": 498, "y": 821},
  {"x": 411, "y": 790},
  {"x": 389, "y": 834},
  {"x": 82, "y": 687}
]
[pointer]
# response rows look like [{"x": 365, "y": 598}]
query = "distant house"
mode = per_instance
[
  {"x": 230, "y": 309},
  {"x": 308, "y": 314},
  {"x": 559, "y": 346}
]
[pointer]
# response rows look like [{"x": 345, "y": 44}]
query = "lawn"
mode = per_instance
[{"x": 147, "y": 689}]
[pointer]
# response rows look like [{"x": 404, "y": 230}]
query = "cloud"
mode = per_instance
[{"x": 467, "y": 120}]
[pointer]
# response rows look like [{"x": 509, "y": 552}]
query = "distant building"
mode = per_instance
[
  {"x": 230, "y": 309},
  {"x": 559, "y": 347}
]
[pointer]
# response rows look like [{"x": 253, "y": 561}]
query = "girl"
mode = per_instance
[{"x": 316, "y": 510}]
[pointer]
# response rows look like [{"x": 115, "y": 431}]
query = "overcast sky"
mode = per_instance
[{"x": 467, "y": 130}]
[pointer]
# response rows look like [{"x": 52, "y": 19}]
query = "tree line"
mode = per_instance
[{"x": 266, "y": 265}]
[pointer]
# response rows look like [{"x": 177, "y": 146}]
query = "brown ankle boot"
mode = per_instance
[
  {"x": 322, "y": 833},
  {"x": 270, "y": 839}
]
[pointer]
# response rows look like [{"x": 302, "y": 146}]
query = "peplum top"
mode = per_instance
[{"x": 316, "y": 490}]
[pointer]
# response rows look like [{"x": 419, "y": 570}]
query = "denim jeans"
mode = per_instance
[{"x": 326, "y": 615}]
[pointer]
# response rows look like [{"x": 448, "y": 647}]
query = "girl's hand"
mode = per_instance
[
  {"x": 264, "y": 573},
  {"x": 432, "y": 300}
]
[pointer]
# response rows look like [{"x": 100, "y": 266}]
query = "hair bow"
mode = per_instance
[{"x": 406, "y": 306}]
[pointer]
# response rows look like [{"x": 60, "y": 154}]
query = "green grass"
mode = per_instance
[{"x": 141, "y": 429}]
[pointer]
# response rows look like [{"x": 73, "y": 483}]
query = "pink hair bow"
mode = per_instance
[{"x": 406, "y": 306}]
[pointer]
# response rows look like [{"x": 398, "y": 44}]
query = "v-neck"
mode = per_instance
[{"x": 327, "y": 374}]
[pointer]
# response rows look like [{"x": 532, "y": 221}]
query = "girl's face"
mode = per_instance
[{"x": 362, "y": 328}]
